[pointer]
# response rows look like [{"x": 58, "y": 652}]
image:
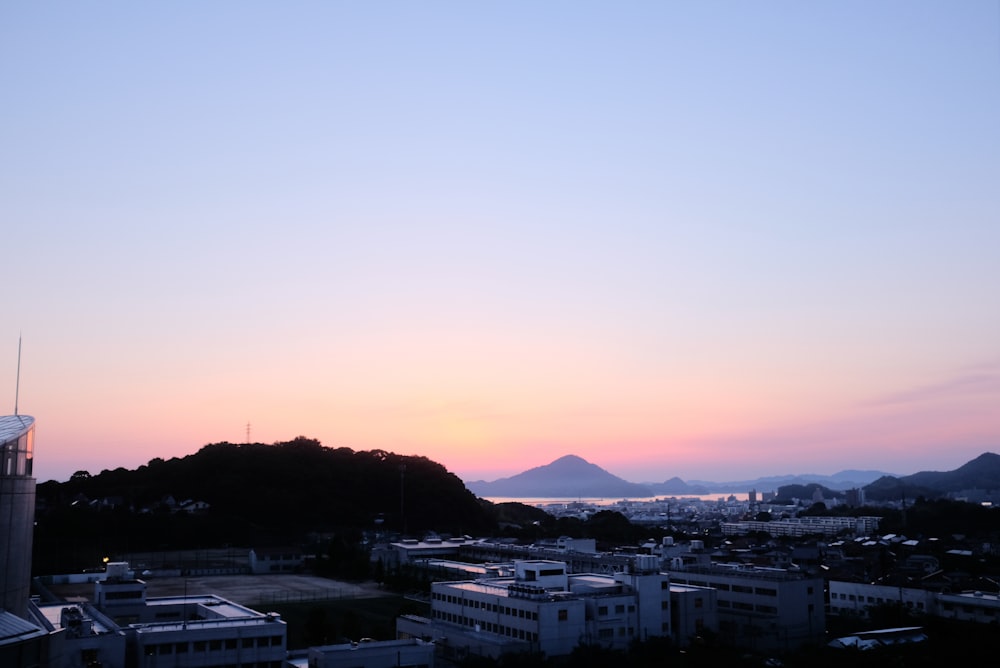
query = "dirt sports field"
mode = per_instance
[{"x": 254, "y": 591}]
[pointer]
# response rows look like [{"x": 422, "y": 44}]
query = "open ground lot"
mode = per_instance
[{"x": 250, "y": 590}]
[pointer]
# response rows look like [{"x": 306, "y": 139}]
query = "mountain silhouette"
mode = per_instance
[
  {"x": 568, "y": 476},
  {"x": 981, "y": 473}
]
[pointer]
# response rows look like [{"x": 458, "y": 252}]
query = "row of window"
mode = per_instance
[
  {"x": 608, "y": 633},
  {"x": 619, "y": 610},
  {"x": 122, "y": 595},
  {"x": 488, "y": 607},
  {"x": 873, "y": 600},
  {"x": 739, "y": 589},
  {"x": 489, "y": 627},
  {"x": 216, "y": 645},
  {"x": 749, "y": 607},
  {"x": 17, "y": 455}
]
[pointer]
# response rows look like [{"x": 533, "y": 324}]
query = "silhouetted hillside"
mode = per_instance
[
  {"x": 255, "y": 494},
  {"x": 676, "y": 486},
  {"x": 805, "y": 493},
  {"x": 981, "y": 473}
]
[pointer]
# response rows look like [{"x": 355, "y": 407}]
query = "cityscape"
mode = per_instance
[
  {"x": 547, "y": 334},
  {"x": 793, "y": 576}
]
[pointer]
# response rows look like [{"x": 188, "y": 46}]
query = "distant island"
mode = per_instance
[{"x": 572, "y": 476}]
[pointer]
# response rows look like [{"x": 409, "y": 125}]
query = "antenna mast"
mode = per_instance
[
  {"x": 17, "y": 384},
  {"x": 248, "y": 433}
]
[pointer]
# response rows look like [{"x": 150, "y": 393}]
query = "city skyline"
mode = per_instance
[{"x": 712, "y": 241}]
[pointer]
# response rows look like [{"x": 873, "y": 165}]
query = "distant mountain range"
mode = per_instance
[
  {"x": 572, "y": 476},
  {"x": 566, "y": 477}
]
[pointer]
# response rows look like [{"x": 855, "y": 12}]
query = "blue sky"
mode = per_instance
[{"x": 699, "y": 239}]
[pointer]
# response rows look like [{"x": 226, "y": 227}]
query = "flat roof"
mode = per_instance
[
  {"x": 53, "y": 613},
  {"x": 219, "y": 606}
]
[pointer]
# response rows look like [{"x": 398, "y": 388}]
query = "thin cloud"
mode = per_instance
[{"x": 984, "y": 379}]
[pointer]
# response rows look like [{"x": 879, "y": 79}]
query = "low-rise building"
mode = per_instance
[
  {"x": 129, "y": 629},
  {"x": 411, "y": 652},
  {"x": 545, "y": 609},
  {"x": 266, "y": 560},
  {"x": 762, "y": 608}
]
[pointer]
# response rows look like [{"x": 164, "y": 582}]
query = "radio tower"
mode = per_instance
[{"x": 248, "y": 433}]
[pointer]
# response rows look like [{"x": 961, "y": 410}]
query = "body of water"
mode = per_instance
[{"x": 590, "y": 501}]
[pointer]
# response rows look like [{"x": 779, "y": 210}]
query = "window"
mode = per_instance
[
  {"x": 606, "y": 633},
  {"x": 698, "y": 602},
  {"x": 563, "y": 614},
  {"x": 619, "y": 609},
  {"x": 602, "y": 610}
]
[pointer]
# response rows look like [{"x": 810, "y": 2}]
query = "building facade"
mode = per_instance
[
  {"x": 762, "y": 608},
  {"x": 545, "y": 609},
  {"x": 17, "y": 511}
]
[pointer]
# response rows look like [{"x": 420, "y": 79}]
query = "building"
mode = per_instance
[
  {"x": 17, "y": 511},
  {"x": 127, "y": 629},
  {"x": 412, "y": 653},
  {"x": 545, "y": 609},
  {"x": 264, "y": 560},
  {"x": 799, "y": 527},
  {"x": 412, "y": 550},
  {"x": 23, "y": 641},
  {"x": 858, "y": 598},
  {"x": 762, "y": 608},
  {"x": 81, "y": 636}
]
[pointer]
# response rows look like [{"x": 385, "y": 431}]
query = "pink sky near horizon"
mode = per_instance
[{"x": 671, "y": 240}]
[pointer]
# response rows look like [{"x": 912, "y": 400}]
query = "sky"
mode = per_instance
[{"x": 712, "y": 240}]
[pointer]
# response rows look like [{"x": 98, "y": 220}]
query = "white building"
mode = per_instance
[
  {"x": 130, "y": 629},
  {"x": 545, "y": 609},
  {"x": 857, "y": 598},
  {"x": 267, "y": 560},
  {"x": 799, "y": 527},
  {"x": 412, "y": 653}
]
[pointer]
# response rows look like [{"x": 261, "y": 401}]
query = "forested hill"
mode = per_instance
[{"x": 257, "y": 492}]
